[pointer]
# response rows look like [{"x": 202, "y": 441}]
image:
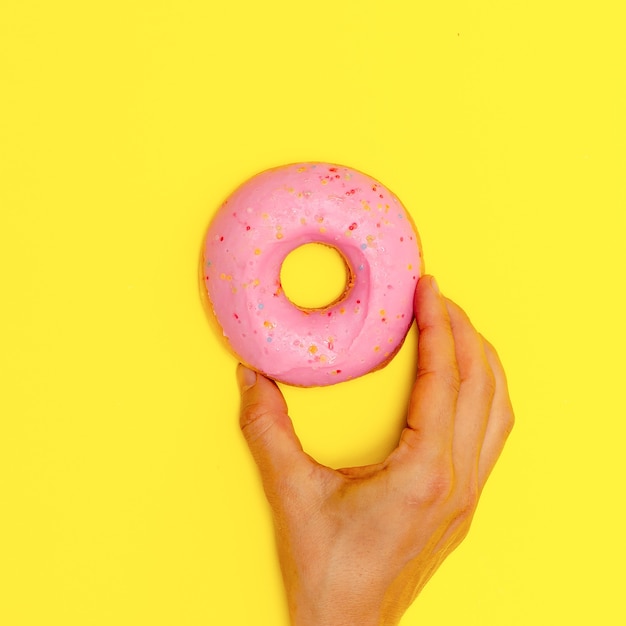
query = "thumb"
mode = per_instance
[{"x": 267, "y": 427}]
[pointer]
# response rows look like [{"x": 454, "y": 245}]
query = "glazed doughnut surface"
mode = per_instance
[{"x": 274, "y": 213}]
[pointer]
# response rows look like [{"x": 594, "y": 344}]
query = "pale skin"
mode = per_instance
[{"x": 357, "y": 545}]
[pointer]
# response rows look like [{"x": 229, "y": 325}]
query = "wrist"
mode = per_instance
[
  {"x": 340, "y": 611},
  {"x": 336, "y": 616}
]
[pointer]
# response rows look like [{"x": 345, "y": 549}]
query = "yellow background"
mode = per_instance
[{"x": 127, "y": 495}]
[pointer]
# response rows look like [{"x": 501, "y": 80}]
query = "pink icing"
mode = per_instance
[{"x": 281, "y": 209}]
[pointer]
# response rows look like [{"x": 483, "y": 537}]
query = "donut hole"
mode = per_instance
[{"x": 315, "y": 276}]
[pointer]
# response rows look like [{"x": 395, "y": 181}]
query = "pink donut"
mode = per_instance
[{"x": 281, "y": 209}]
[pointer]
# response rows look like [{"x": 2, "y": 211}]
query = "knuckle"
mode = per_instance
[
  {"x": 449, "y": 377},
  {"x": 489, "y": 383},
  {"x": 467, "y": 502},
  {"x": 485, "y": 384},
  {"x": 452, "y": 380},
  {"x": 435, "y": 487},
  {"x": 480, "y": 377},
  {"x": 255, "y": 420},
  {"x": 411, "y": 438},
  {"x": 509, "y": 422},
  {"x": 505, "y": 420}
]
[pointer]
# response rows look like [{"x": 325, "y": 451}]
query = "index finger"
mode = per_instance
[{"x": 430, "y": 419}]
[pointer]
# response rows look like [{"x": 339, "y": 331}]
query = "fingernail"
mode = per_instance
[
  {"x": 245, "y": 377},
  {"x": 434, "y": 285}
]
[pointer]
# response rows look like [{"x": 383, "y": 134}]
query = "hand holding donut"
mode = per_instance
[{"x": 357, "y": 545}]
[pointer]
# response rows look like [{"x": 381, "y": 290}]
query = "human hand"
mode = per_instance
[{"x": 357, "y": 545}]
